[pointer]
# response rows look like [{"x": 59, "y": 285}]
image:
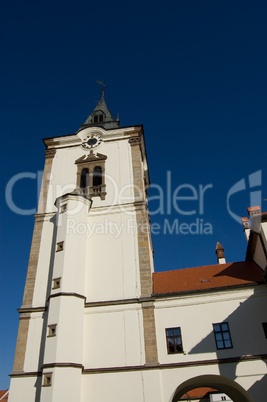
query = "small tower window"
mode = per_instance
[
  {"x": 97, "y": 176},
  {"x": 52, "y": 330},
  {"x": 63, "y": 208},
  {"x": 56, "y": 283},
  {"x": 47, "y": 380},
  {"x": 60, "y": 246},
  {"x": 84, "y": 178}
]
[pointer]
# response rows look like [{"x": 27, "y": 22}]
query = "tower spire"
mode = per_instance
[{"x": 101, "y": 115}]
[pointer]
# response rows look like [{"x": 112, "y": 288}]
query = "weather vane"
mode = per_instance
[{"x": 102, "y": 84}]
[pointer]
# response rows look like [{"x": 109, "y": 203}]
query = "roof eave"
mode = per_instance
[{"x": 195, "y": 291}]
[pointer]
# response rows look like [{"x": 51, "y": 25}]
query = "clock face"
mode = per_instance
[{"x": 92, "y": 141}]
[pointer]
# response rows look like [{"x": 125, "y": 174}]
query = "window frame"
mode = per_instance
[
  {"x": 171, "y": 336},
  {"x": 264, "y": 327},
  {"x": 223, "y": 333},
  {"x": 98, "y": 117}
]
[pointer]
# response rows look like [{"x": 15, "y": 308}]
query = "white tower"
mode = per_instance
[{"x": 87, "y": 295}]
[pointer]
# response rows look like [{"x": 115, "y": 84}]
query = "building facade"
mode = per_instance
[{"x": 96, "y": 322}]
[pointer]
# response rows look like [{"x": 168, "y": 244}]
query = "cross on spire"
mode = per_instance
[{"x": 102, "y": 84}]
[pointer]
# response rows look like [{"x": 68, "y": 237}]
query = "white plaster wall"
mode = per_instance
[
  {"x": 63, "y": 175},
  {"x": 118, "y": 172},
  {"x": 67, "y": 311},
  {"x": 51, "y": 342},
  {"x": 120, "y": 387},
  {"x": 51, "y": 263},
  {"x": 113, "y": 336},
  {"x": 45, "y": 262},
  {"x": 160, "y": 385},
  {"x": 72, "y": 259},
  {"x": 66, "y": 385},
  {"x": 195, "y": 315},
  {"x": 112, "y": 257},
  {"x": 34, "y": 342},
  {"x": 23, "y": 389},
  {"x": 259, "y": 256},
  {"x": 67, "y": 345}
]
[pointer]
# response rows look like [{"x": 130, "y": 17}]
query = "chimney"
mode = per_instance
[
  {"x": 255, "y": 218},
  {"x": 220, "y": 253},
  {"x": 246, "y": 226}
]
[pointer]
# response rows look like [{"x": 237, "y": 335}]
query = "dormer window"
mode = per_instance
[{"x": 98, "y": 117}]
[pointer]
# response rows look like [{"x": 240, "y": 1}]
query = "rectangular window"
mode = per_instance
[
  {"x": 52, "y": 330},
  {"x": 60, "y": 246},
  {"x": 174, "y": 340},
  {"x": 47, "y": 380},
  {"x": 63, "y": 208},
  {"x": 264, "y": 326},
  {"x": 56, "y": 283},
  {"x": 222, "y": 335}
]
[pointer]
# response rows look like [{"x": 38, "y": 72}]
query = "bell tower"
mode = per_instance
[{"x": 87, "y": 298}]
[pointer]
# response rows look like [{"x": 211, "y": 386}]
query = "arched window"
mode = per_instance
[
  {"x": 91, "y": 175},
  {"x": 84, "y": 178},
  {"x": 97, "y": 176}
]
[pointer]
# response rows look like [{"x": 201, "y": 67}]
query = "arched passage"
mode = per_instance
[{"x": 222, "y": 384}]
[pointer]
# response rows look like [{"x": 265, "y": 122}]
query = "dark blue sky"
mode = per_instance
[{"x": 193, "y": 72}]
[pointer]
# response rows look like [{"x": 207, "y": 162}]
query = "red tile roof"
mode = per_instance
[
  {"x": 4, "y": 395},
  {"x": 198, "y": 393},
  {"x": 207, "y": 277}
]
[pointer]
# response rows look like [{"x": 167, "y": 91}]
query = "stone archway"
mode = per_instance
[{"x": 223, "y": 384}]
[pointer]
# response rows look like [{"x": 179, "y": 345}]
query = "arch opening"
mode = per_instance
[
  {"x": 97, "y": 176},
  {"x": 220, "y": 383},
  {"x": 84, "y": 178}
]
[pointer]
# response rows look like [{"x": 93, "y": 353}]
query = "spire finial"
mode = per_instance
[{"x": 102, "y": 84}]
